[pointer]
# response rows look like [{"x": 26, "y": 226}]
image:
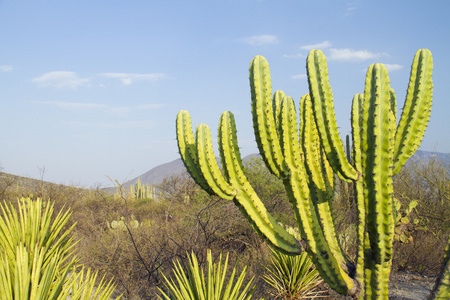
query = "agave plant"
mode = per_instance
[
  {"x": 194, "y": 286},
  {"x": 37, "y": 256}
]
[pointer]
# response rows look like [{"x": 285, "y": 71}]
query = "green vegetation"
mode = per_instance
[
  {"x": 308, "y": 167},
  {"x": 195, "y": 286},
  {"x": 38, "y": 259},
  {"x": 292, "y": 277}
]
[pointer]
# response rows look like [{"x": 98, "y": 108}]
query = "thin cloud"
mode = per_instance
[
  {"x": 6, "y": 68},
  {"x": 61, "y": 79},
  {"x": 352, "y": 55},
  {"x": 129, "y": 78},
  {"x": 351, "y": 7},
  {"x": 258, "y": 40},
  {"x": 323, "y": 45},
  {"x": 349, "y": 11},
  {"x": 299, "y": 76},
  {"x": 393, "y": 67}
]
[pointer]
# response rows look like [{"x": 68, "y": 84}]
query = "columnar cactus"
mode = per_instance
[{"x": 307, "y": 160}]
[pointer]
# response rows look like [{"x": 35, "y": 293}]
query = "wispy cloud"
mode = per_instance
[
  {"x": 6, "y": 68},
  {"x": 352, "y": 55},
  {"x": 322, "y": 45},
  {"x": 129, "y": 78},
  {"x": 61, "y": 79},
  {"x": 393, "y": 67},
  {"x": 259, "y": 40},
  {"x": 299, "y": 76},
  {"x": 351, "y": 7}
]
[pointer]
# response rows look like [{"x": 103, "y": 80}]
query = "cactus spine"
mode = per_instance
[{"x": 306, "y": 159}]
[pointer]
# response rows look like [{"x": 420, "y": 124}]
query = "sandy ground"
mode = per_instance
[
  {"x": 402, "y": 286},
  {"x": 410, "y": 286}
]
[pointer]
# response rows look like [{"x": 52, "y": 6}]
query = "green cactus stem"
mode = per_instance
[
  {"x": 307, "y": 157},
  {"x": 322, "y": 96},
  {"x": 416, "y": 110}
]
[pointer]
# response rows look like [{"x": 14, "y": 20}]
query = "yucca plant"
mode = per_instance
[
  {"x": 194, "y": 285},
  {"x": 37, "y": 258},
  {"x": 292, "y": 277}
]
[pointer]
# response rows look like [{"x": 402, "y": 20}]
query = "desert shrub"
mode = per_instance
[
  {"x": 428, "y": 183},
  {"x": 168, "y": 229}
]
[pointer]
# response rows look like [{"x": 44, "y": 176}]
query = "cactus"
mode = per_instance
[
  {"x": 306, "y": 159},
  {"x": 138, "y": 191},
  {"x": 122, "y": 225}
]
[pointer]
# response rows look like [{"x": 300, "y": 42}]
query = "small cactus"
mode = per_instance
[{"x": 122, "y": 225}]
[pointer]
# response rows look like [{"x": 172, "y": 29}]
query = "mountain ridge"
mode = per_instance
[{"x": 176, "y": 167}]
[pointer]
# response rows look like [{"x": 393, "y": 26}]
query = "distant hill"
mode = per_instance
[
  {"x": 24, "y": 185},
  {"x": 425, "y": 156},
  {"x": 176, "y": 167}
]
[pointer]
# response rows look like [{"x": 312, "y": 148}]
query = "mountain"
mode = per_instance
[
  {"x": 157, "y": 174},
  {"x": 425, "y": 156},
  {"x": 176, "y": 167}
]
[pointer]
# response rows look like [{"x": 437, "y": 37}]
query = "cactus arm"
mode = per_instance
[
  {"x": 263, "y": 117},
  {"x": 276, "y": 104},
  {"x": 357, "y": 104},
  {"x": 309, "y": 142},
  {"x": 246, "y": 197},
  {"x": 329, "y": 268},
  {"x": 289, "y": 134},
  {"x": 441, "y": 290},
  {"x": 208, "y": 164},
  {"x": 321, "y": 185},
  {"x": 416, "y": 110},
  {"x": 188, "y": 151},
  {"x": 377, "y": 149},
  {"x": 322, "y": 97}
]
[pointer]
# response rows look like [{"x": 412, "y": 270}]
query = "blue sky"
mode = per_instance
[{"x": 92, "y": 88}]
